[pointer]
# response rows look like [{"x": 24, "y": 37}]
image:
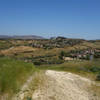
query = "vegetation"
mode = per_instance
[
  {"x": 13, "y": 74},
  {"x": 38, "y": 80},
  {"x": 18, "y": 56},
  {"x": 98, "y": 77},
  {"x": 90, "y": 69}
]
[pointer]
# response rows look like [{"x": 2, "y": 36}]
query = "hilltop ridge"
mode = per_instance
[{"x": 21, "y": 37}]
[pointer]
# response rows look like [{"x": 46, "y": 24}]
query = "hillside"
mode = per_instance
[
  {"x": 26, "y": 62},
  {"x": 48, "y": 51}
]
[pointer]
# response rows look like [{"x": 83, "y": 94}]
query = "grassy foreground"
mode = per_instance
[{"x": 13, "y": 74}]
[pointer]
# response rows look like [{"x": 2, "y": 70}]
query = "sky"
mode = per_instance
[{"x": 50, "y": 18}]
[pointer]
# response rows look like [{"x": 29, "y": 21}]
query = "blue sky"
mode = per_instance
[{"x": 48, "y": 18}]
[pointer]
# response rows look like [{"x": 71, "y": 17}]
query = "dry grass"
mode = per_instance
[
  {"x": 95, "y": 88},
  {"x": 18, "y": 49},
  {"x": 38, "y": 81}
]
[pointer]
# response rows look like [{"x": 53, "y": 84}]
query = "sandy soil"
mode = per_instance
[
  {"x": 64, "y": 86},
  {"x": 61, "y": 86}
]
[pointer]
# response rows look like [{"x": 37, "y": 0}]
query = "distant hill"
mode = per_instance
[
  {"x": 21, "y": 37},
  {"x": 4, "y": 36}
]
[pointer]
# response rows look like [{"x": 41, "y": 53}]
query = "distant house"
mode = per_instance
[
  {"x": 68, "y": 58},
  {"x": 79, "y": 56}
]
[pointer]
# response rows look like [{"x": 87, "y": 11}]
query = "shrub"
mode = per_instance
[
  {"x": 95, "y": 69},
  {"x": 62, "y": 54},
  {"x": 97, "y": 55},
  {"x": 37, "y": 63},
  {"x": 98, "y": 77},
  {"x": 29, "y": 98}
]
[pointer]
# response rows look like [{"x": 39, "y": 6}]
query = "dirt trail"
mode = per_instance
[{"x": 62, "y": 86}]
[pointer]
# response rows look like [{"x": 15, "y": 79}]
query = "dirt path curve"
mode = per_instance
[
  {"x": 64, "y": 86},
  {"x": 58, "y": 86}
]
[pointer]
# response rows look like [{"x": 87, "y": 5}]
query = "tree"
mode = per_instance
[
  {"x": 98, "y": 77},
  {"x": 62, "y": 54}
]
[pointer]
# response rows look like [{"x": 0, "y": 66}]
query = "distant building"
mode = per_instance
[{"x": 68, "y": 58}]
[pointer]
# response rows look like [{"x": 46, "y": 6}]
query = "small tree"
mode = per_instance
[
  {"x": 37, "y": 63},
  {"x": 98, "y": 77},
  {"x": 62, "y": 54},
  {"x": 88, "y": 57}
]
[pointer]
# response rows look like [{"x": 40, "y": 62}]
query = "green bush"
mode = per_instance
[
  {"x": 37, "y": 63},
  {"x": 29, "y": 98},
  {"x": 97, "y": 55},
  {"x": 61, "y": 55},
  {"x": 98, "y": 77},
  {"x": 95, "y": 69}
]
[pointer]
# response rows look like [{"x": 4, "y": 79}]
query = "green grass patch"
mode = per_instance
[{"x": 13, "y": 74}]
